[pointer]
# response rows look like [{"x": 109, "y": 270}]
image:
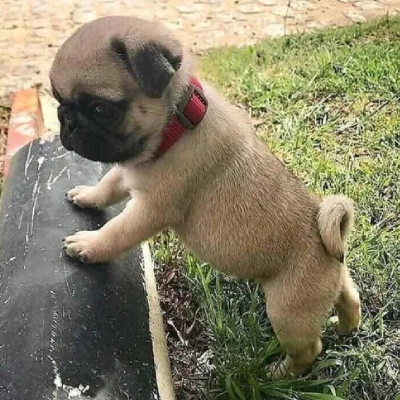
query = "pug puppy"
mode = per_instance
[{"x": 189, "y": 160}]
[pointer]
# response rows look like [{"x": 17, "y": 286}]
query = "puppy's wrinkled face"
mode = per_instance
[
  {"x": 93, "y": 127},
  {"x": 109, "y": 128},
  {"x": 113, "y": 84}
]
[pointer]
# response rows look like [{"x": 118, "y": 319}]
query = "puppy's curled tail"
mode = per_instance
[{"x": 335, "y": 220}]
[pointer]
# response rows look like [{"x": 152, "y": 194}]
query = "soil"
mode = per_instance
[{"x": 188, "y": 343}]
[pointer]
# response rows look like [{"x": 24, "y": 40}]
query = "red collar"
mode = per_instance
[{"x": 188, "y": 115}]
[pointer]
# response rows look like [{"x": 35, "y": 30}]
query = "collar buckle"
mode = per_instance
[{"x": 184, "y": 114}]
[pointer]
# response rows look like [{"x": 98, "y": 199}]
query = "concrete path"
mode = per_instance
[{"x": 32, "y": 30}]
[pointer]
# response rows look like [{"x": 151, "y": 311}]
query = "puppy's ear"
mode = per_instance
[{"x": 152, "y": 64}]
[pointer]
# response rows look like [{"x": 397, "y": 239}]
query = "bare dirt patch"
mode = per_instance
[{"x": 187, "y": 339}]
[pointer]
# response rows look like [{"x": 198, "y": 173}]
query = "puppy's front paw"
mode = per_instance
[
  {"x": 87, "y": 246},
  {"x": 84, "y": 197}
]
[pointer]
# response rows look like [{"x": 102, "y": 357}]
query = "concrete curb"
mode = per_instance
[
  {"x": 25, "y": 125},
  {"x": 28, "y": 122},
  {"x": 160, "y": 350}
]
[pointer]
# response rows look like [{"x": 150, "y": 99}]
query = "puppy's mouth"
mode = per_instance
[
  {"x": 103, "y": 147},
  {"x": 66, "y": 139}
]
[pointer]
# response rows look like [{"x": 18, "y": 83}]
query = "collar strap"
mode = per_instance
[{"x": 188, "y": 114}]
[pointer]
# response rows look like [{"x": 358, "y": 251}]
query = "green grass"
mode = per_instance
[{"x": 328, "y": 104}]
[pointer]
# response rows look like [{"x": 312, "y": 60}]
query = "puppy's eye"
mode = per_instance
[{"x": 101, "y": 110}]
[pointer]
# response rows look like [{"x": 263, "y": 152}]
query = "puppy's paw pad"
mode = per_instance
[
  {"x": 333, "y": 321},
  {"x": 70, "y": 251},
  {"x": 84, "y": 245},
  {"x": 84, "y": 259},
  {"x": 343, "y": 327},
  {"x": 75, "y": 191},
  {"x": 278, "y": 371},
  {"x": 83, "y": 197}
]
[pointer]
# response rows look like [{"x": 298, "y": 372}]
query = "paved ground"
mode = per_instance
[{"x": 31, "y": 30}]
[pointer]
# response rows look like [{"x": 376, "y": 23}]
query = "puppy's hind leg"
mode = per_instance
[
  {"x": 108, "y": 191},
  {"x": 297, "y": 310},
  {"x": 348, "y": 304}
]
